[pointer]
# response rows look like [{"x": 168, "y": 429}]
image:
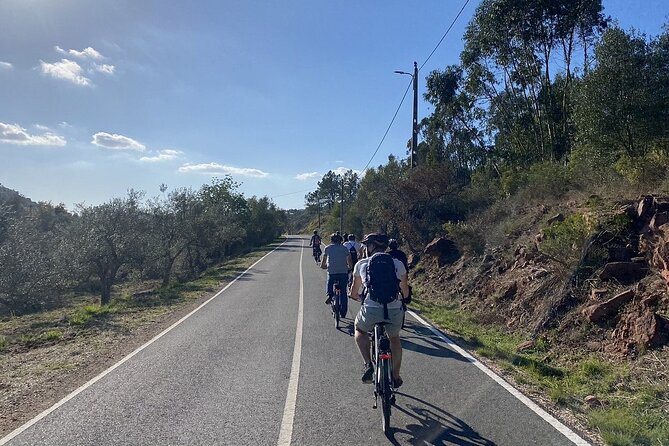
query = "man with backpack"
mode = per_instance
[{"x": 385, "y": 281}]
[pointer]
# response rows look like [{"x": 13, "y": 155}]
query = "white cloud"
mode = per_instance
[
  {"x": 105, "y": 68},
  {"x": 41, "y": 127},
  {"x": 6, "y": 66},
  {"x": 307, "y": 176},
  {"x": 163, "y": 155},
  {"x": 15, "y": 134},
  {"x": 67, "y": 70},
  {"x": 343, "y": 170},
  {"x": 116, "y": 142},
  {"x": 218, "y": 169},
  {"x": 86, "y": 53}
]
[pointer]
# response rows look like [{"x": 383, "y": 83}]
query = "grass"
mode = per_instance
[
  {"x": 3, "y": 343},
  {"x": 631, "y": 412}
]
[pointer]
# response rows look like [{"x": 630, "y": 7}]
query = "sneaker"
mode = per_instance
[
  {"x": 397, "y": 382},
  {"x": 368, "y": 373},
  {"x": 328, "y": 301}
]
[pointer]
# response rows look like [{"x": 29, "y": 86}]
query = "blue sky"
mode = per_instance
[{"x": 97, "y": 97}]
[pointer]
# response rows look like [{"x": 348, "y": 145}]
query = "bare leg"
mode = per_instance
[
  {"x": 362, "y": 339},
  {"x": 396, "y": 349}
]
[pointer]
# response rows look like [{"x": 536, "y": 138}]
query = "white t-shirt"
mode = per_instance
[
  {"x": 353, "y": 244},
  {"x": 360, "y": 269}
]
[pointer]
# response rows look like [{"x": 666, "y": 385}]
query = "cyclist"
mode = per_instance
[
  {"x": 337, "y": 260},
  {"x": 355, "y": 248},
  {"x": 372, "y": 312},
  {"x": 316, "y": 243},
  {"x": 397, "y": 253}
]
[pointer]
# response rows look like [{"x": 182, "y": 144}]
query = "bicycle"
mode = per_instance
[
  {"x": 317, "y": 254},
  {"x": 382, "y": 360},
  {"x": 337, "y": 304}
]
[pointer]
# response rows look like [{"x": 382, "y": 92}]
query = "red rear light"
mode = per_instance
[{"x": 385, "y": 356}]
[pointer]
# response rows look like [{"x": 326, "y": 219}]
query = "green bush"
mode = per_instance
[
  {"x": 3, "y": 343},
  {"x": 546, "y": 180},
  {"x": 647, "y": 170},
  {"x": 564, "y": 240},
  {"x": 467, "y": 237}
]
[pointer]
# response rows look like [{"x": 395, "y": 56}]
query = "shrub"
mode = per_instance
[
  {"x": 547, "y": 180},
  {"x": 564, "y": 240},
  {"x": 467, "y": 237},
  {"x": 3, "y": 343},
  {"x": 650, "y": 169}
]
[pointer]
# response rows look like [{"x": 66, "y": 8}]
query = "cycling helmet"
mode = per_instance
[
  {"x": 335, "y": 237},
  {"x": 351, "y": 237},
  {"x": 375, "y": 238},
  {"x": 392, "y": 243},
  {"x": 315, "y": 232}
]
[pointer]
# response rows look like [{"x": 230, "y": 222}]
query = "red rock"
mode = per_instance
[
  {"x": 624, "y": 272},
  {"x": 602, "y": 311}
]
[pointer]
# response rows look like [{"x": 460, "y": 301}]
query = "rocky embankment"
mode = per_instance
[{"x": 613, "y": 298}]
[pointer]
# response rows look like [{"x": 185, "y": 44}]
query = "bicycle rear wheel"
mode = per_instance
[{"x": 386, "y": 395}]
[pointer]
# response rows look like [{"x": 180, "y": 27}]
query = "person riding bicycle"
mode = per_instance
[
  {"x": 316, "y": 243},
  {"x": 397, "y": 253},
  {"x": 337, "y": 260},
  {"x": 355, "y": 248},
  {"x": 372, "y": 311}
]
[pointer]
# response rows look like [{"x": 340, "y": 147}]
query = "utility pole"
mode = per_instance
[
  {"x": 414, "y": 126},
  {"x": 414, "y": 135},
  {"x": 341, "y": 208}
]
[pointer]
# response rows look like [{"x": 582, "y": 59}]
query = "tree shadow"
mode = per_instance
[{"x": 435, "y": 426}]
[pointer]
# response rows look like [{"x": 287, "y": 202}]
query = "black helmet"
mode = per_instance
[
  {"x": 315, "y": 232},
  {"x": 375, "y": 238},
  {"x": 335, "y": 237},
  {"x": 392, "y": 243}
]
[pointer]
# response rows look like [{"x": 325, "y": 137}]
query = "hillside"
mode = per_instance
[{"x": 569, "y": 298}]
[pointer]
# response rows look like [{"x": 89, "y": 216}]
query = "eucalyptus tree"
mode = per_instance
[
  {"x": 511, "y": 48},
  {"x": 621, "y": 104}
]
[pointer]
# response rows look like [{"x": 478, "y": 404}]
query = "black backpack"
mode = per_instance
[
  {"x": 383, "y": 285},
  {"x": 354, "y": 254}
]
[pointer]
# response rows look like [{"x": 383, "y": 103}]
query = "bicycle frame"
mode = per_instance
[{"x": 383, "y": 366}]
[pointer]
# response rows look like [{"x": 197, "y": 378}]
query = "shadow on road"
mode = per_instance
[
  {"x": 435, "y": 426},
  {"x": 437, "y": 347}
]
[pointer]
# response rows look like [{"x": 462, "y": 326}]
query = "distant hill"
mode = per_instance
[{"x": 15, "y": 200}]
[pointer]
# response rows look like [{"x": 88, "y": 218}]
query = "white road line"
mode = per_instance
[
  {"x": 286, "y": 433},
  {"x": 20, "y": 429},
  {"x": 564, "y": 430}
]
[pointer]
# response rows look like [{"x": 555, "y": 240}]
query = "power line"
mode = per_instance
[
  {"x": 446, "y": 33},
  {"x": 389, "y": 126},
  {"x": 409, "y": 86}
]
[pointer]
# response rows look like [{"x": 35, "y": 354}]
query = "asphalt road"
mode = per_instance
[{"x": 226, "y": 376}]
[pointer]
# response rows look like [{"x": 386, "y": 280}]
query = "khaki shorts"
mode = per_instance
[{"x": 367, "y": 317}]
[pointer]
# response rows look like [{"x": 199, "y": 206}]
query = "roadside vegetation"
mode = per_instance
[{"x": 48, "y": 255}]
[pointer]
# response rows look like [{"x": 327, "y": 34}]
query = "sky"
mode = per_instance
[{"x": 98, "y": 97}]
